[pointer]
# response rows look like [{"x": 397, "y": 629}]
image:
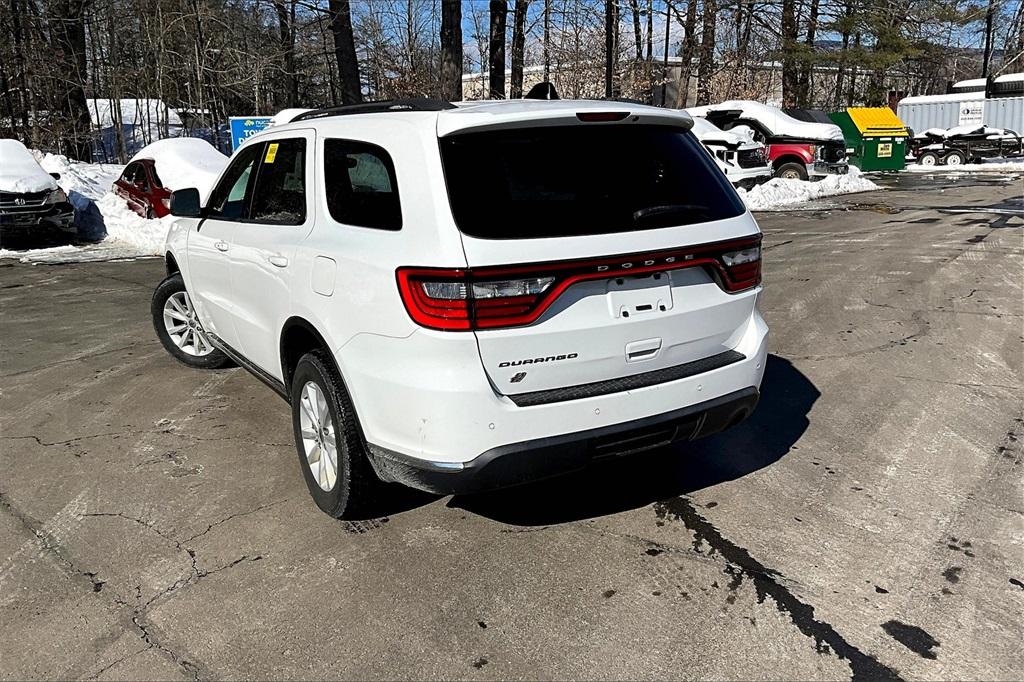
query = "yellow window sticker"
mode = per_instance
[
  {"x": 271, "y": 153},
  {"x": 884, "y": 150}
]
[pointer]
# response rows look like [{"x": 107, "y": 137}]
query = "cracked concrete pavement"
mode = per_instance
[{"x": 867, "y": 522}]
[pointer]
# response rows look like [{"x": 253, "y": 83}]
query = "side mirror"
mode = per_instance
[
  {"x": 55, "y": 176},
  {"x": 185, "y": 203}
]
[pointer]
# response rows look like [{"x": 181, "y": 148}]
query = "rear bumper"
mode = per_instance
[
  {"x": 519, "y": 463},
  {"x": 427, "y": 398}
]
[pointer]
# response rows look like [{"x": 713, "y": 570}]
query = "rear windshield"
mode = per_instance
[{"x": 582, "y": 180}]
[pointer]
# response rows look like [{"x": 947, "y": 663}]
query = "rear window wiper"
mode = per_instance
[{"x": 669, "y": 209}]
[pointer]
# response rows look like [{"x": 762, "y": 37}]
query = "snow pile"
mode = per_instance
[
  {"x": 778, "y": 192},
  {"x": 138, "y": 236},
  {"x": 84, "y": 183},
  {"x": 183, "y": 162},
  {"x": 19, "y": 170}
]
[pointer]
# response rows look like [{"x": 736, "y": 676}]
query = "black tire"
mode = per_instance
[
  {"x": 150, "y": 214},
  {"x": 356, "y": 488},
  {"x": 174, "y": 284},
  {"x": 792, "y": 171},
  {"x": 957, "y": 157},
  {"x": 928, "y": 159}
]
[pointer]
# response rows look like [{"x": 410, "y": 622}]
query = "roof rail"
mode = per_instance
[{"x": 411, "y": 104}]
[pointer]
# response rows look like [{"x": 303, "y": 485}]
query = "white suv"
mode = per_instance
[{"x": 467, "y": 298}]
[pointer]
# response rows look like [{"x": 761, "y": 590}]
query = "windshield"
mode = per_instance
[{"x": 582, "y": 180}]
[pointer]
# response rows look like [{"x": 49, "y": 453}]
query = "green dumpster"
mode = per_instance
[{"x": 876, "y": 138}]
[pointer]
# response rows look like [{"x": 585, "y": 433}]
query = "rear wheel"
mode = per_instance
[
  {"x": 791, "y": 171},
  {"x": 928, "y": 159},
  {"x": 331, "y": 451},
  {"x": 955, "y": 158},
  {"x": 179, "y": 329}
]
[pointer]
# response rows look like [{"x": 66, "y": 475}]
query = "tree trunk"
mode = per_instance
[
  {"x": 706, "y": 65},
  {"x": 611, "y": 31},
  {"x": 650, "y": 30},
  {"x": 805, "y": 67},
  {"x": 451, "y": 50},
  {"x": 790, "y": 75},
  {"x": 547, "y": 41},
  {"x": 345, "y": 51},
  {"x": 69, "y": 47},
  {"x": 496, "y": 80},
  {"x": 286, "y": 29},
  {"x": 844, "y": 53},
  {"x": 638, "y": 36},
  {"x": 518, "y": 47},
  {"x": 689, "y": 47},
  {"x": 987, "y": 55}
]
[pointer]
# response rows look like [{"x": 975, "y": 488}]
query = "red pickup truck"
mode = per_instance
[{"x": 796, "y": 149}]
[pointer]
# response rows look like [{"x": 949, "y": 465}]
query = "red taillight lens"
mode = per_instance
[{"x": 494, "y": 297}]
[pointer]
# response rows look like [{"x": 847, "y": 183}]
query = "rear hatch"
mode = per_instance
[{"x": 597, "y": 251}]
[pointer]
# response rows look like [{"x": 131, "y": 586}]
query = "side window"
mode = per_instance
[
  {"x": 229, "y": 201},
  {"x": 153, "y": 175},
  {"x": 130, "y": 173},
  {"x": 361, "y": 185},
  {"x": 280, "y": 194}
]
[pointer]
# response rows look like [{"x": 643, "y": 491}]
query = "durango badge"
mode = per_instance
[{"x": 534, "y": 361}]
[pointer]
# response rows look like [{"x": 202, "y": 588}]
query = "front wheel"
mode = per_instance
[
  {"x": 791, "y": 171},
  {"x": 331, "y": 451},
  {"x": 179, "y": 329},
  {"x": 928, "y": 159}
]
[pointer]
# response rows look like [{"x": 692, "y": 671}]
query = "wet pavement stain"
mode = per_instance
[
  {"x": 741, "y": 565},
  {"x": 912, "y": 637}
]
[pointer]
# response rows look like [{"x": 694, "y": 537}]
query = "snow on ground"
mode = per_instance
[
  {"x": 777, "y": 192},
  {"x": 99, "y": 215},
  {"x": 84, "y": 184},
  {"x": 134, "y": 233},
  {"x": 989, "y": 166}
]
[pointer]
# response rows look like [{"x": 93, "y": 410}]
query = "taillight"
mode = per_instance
[{"x": 496, "y": 297}]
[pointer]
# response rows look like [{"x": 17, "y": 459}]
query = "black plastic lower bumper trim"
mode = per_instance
[
  {"x": 519, "y": 463},
  {"x": 630, "y": 383}
]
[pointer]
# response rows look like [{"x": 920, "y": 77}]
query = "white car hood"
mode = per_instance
[
  {"x": 19, "y": 171},
  {"x": 775, "y": 120}
]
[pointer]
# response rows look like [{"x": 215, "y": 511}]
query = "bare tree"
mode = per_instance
[
  {"x": 706, "y": 62},
  {"x": 451, "y": 50},
  {"x": 518, "y": 47},
  {"x": 496, "y": 49},
  {"x": 345, "y": 51}
]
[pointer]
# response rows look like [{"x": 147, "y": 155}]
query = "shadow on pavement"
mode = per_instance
[{"x": 632, "y": 482}]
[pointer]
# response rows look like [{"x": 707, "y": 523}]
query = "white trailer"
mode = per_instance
[{"x": 999, "y": 105}]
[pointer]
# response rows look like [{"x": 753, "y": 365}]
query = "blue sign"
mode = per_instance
[{"x": 244, "y": 127}]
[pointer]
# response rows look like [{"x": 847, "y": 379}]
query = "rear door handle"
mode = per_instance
[
  {"x": 278, "y": 261},
  {"x": 221, "y": 246}
]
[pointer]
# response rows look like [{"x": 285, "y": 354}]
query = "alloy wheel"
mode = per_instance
[
  {"x": 318, "y": 437},
  {"x": 183, "y": 326}
]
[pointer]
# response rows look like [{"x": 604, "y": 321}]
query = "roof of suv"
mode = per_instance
[{"x": 491, "y": 114}]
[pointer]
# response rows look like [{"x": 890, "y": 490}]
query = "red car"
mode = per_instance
[{"x": 140, "y": 186}]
